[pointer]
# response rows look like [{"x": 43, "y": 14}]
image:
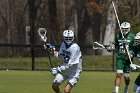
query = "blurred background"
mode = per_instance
[{"x": 91, "y": 20}]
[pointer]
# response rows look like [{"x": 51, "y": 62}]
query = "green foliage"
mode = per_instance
[
  {"x": 97, "y": 62},
  {"x": 136, "y": 29},
  {"x": 90, "y": 62}
]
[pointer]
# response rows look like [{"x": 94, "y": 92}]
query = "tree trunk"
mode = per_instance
[
  {"x": 8, "y": 15},
  {"x": 110, "y": 28},
  {"x": 53, "y": 21}
]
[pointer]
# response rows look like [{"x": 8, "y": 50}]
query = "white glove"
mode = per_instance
[
  {"x": 56, "y": 54},
  {"x": 133, "y": 66},
  {"x": 55, "y": 70},
  {"x": 64, "y": 66},
  {"x": 110, "y": 48}
]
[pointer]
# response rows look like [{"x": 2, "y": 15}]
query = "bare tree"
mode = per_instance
[{"x": 110, "y": 27}]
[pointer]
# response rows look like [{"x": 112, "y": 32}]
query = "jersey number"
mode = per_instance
[{"x": 66, "y": 56}]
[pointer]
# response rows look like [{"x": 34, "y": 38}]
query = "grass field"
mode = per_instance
[{"x": 40, "y": 82}]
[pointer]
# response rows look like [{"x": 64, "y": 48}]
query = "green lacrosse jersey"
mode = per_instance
[
  {"x": 120, "y": 45},
  {"x": 136, "y": 53}
]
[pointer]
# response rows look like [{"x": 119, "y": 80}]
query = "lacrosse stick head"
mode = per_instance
[
  {"x": 68, "y": 36},
  {"x": 125, "y": 26},
  {"x": 42, "y": 33}
]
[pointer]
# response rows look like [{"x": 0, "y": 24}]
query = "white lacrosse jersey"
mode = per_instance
[
  {"x": 72, "y": 63},
  {"x": 72, "y": 53}
]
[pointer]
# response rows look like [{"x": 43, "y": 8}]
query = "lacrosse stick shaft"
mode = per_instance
[
  {"x": 42, "y": 33},
  {"x": 100, "y": 44},
  {"x": 49, "y": 58},
  {"x": 117, "y": 18},
  {"x": 97, "y": 46},
  {"x": 128, "y": 53}
]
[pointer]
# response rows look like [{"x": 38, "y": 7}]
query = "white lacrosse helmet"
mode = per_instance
[
  {"x": 68, "y": 36},
  {"x": 125, "y": 26},
  {"x": 137, "y": 39}
]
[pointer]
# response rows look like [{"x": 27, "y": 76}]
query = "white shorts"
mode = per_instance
[
  {"x": 71, "y": 74},
  {"x": 125, "y": 74}
]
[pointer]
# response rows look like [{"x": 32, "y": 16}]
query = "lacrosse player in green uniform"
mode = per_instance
[
  {"x": 136, "y": 53},
  {"x": 122, "y": 59}
]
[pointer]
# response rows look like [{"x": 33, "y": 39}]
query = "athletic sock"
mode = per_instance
[
  {"x": 116, "y": 89},
  {"x": 126, "y": 89}
]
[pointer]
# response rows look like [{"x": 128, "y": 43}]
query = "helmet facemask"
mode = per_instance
[
  {"x": 125, "y": 30},
  {"x": 68, "y": 36},
  {"x": 68, "y": 40}
]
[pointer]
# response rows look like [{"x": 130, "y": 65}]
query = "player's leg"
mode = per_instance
[
  {"x": 126, "y": 76},
  {"x": 117, "y": 82},
  {"x": 136, "y": 88},
  {"x": 68, "y": 88},
  {"x": 70, "y": 84},
  {"x": 55, "y": 87},
  {"x": 57, "y": 81},
  {"x": 127, "y": 81},
  {"x": 73, "y": 78},
  {"x": 137, "y": 85}
]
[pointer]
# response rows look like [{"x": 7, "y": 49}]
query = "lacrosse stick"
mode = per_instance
[
  {"x": 42, "y": 33},
  {"x": 126, "y": 46},
  {"x": 97, "y": 46}
]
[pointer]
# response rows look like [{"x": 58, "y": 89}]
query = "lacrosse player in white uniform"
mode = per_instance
[{"x": 71, "y": 68}]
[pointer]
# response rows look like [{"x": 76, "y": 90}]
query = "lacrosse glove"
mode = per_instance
[
  {"x": 56, "y": 54},
  {"x": 133, "y": 66},
  {"x": 49, "y": 46},
  {"x": 55, "y": 70},
  {"x": 110, "y": 48}
]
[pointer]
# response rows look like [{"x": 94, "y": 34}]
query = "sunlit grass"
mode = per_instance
[{"x": 40, "y": 82}]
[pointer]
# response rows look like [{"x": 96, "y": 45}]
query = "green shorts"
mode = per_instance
[
  {"x": 137, "y": 81},
  {"x": 123, "y": 65}
]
